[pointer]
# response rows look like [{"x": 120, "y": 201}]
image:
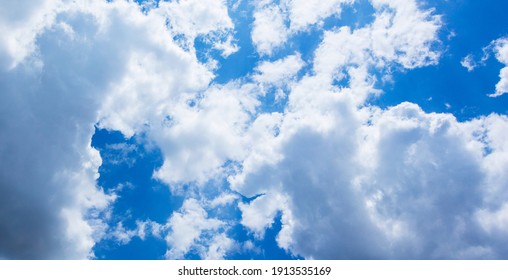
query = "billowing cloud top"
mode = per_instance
[{"x": 294, "y": 140}]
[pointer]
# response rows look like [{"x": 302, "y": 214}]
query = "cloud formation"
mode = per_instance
[
  {"x": 71, "y": 71},
  {"x": 348, "y": 180},
  {"x": 499, "y": 48},
  {"x": 48, "y": 107},
  {"x": 501, "y": 52}
]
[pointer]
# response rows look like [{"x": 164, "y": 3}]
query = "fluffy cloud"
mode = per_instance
[
  {"x": 269, "y": 31},
  {"x": 400, "y": 34},
  {"x": 187, "y": 226},
  {"x": 279, "y": 71},
  {"x": 259, "y": 214},
  {"x": 372, "y": 183},
  {"x": 199, "y": 138},
  {"x": 275, "y": 23},
  {"x": 399, "y": 184},
  {"x": 499, "y": 48},
  {"x": 48, "y": 169},
  {"x": 20, "y": 22},
  {"x": 349, "y": 180},
  {"x": 194, "y": 18},
  {"x": 191, "y": 18},
  {"x": 79, "y": 63},
  {"x": 304, "y": 13},
  {"x": 425, "y": 184},
  {"x": 501, "y": 51},
  {"x": 189, "y": 230}
]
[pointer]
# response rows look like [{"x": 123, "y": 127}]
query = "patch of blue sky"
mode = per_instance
[
  {"x": 127, "y": 168},
  {"x": 437, "y": 88},
  {"x": 147, "y": 5},
  {"x": 150, "y": 248},
  {"x": 271, "y": 102},
  {"x": 242, "y": 62},
  {"x": 357, "y": 15}
]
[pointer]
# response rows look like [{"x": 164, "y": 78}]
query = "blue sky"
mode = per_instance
[{"x": 291, "y": 129}]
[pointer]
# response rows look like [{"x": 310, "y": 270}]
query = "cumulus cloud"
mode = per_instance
[
  {"x": 259, "y": 214},
  {"x": 77, "y": 65},
  {"x": 199, "y": 138},
  {"x": 20, "y": 23},
  {"x": 409, "y": 185},
  {"x": 401, "y": 33},
  {"x": 347, "y": 179},
  {"x": 304, "y": 13},
  {"x": 372, "y": 183},
  {"x": 279, "y": 71},
  {"x": 186, "y": 228},
  {"x": 48, "y": 169},
  {"x": 269, "y": 31},
  {"x": 200, "y": 18},
  {"x": 275, "y": 22},
  {"x": 219, "y": 247}
]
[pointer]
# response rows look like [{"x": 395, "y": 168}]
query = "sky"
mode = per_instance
[{"x": 239, "y": 129}]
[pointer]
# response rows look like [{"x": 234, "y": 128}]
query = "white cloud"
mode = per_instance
[
  {"x": 20, "y": 23},
  {"x": 78, "y": 63},
  {"x": 200, "y": 138},
  {"x": 303, "y": 13},
  {"x": 189, "y": 230},
  {"x": 469, "y": 63},
  {"x": 269, "y": 29},
  {"x": 259, "y": 214},
  {"x": 227, "y": 46},
  {"x": 501, "y": 51},
  {"x": 407, "y": 186},
  {"x": 49, "y": 97},
  {"x": 275, "y": 23},
  {"x": 142, "y": 95},
  {"x": 107, "y": 62},
  {"x": 192, "y": 18},
  {"x": 403, "y": 34},
  {"x": 279, "y": 71},
  {"x": 123, "y": 235},
  {"x": 186, "y": 227},
  {"x": 223, "y": 200},
  {"x": 314, "y": 172},
  {"x": 494, "y": 221},
  {"x": 427, "y": 181},
  {"x": 219, "y": 247},
  {"x": 406, "y": 34}
]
